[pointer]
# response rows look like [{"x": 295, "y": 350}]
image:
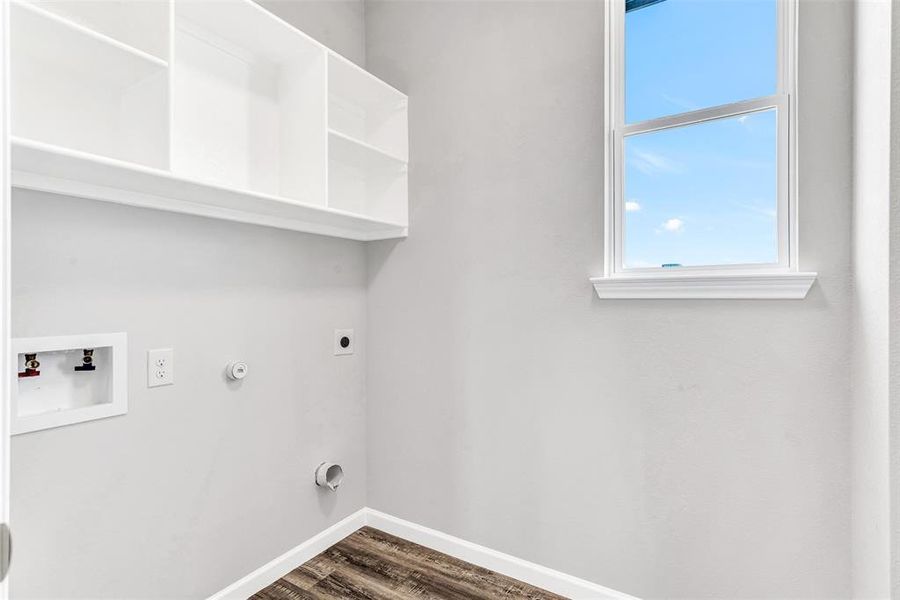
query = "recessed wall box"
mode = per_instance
[{"x": 81, "y": 378}]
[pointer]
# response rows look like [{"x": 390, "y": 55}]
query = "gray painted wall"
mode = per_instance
[
  {"x": 675, "y": 449},
  {"x": 204, "y": 481},
  {"x": 871, "y": 293}
]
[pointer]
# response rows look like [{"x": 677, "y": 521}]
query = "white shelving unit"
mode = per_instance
[{"x": 206, "y": 107}]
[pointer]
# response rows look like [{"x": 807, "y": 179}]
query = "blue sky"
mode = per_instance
[{"x": 701, "y": 194}]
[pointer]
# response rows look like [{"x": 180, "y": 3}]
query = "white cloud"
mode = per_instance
[
  {"x": 639, "y": 263},
  {"x": 675, "y": 225},
  {"x": 749, "y": 121},
  {"x": 651, "y": 163},
  {"x": 768, "y": 212},
  {"x": 632, "y": 206},
  {"x": 682, "y": 103}
]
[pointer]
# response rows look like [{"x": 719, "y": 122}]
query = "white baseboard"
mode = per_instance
[
  {"x": 536, "y": 575},
  {"x": 270, "y": 572},
  {"x": 529, "y": 572}
]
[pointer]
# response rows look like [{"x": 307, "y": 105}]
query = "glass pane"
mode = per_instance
[
  {"x": 683, "y": 55},
  {"x": 703, "y": 194}
]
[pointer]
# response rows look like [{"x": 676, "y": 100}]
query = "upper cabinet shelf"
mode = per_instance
[
  {"x": 363, "y": 107},
  {"x": 209, "y": 107}
]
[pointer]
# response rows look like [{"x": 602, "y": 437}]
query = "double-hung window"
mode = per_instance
[{"x": 701, "y": 150}]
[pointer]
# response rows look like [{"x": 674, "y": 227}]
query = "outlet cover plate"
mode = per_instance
[
  {"x": 160, "y": 367},
  {"x": 343, "y": 341}
]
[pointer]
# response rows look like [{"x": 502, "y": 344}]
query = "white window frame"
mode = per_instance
[{"x": 782, "y": 279}]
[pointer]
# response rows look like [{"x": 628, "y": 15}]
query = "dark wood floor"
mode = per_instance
[{"x": 373, "y": 565}]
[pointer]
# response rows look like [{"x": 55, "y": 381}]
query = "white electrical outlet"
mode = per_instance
[
  {"x": 160, "y": 367},
  {"x": 343, "y": 341}
]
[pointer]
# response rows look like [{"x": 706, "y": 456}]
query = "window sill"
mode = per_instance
[{"x": 738, "y": 286}]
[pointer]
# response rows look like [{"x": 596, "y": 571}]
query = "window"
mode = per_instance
[{"x": 700, "y": 168}]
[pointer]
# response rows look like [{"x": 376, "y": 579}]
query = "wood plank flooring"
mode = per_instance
[{"x": 373, "y": 565}]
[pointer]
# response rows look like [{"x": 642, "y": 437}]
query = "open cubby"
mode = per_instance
[
  {"x": 249, "y": 96},
  {"x": 365, "y": 108},
  {"x": 363, "y": 180},
  {"x": 73, "y": 88},
  {"x": 143, "y": 24}
]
